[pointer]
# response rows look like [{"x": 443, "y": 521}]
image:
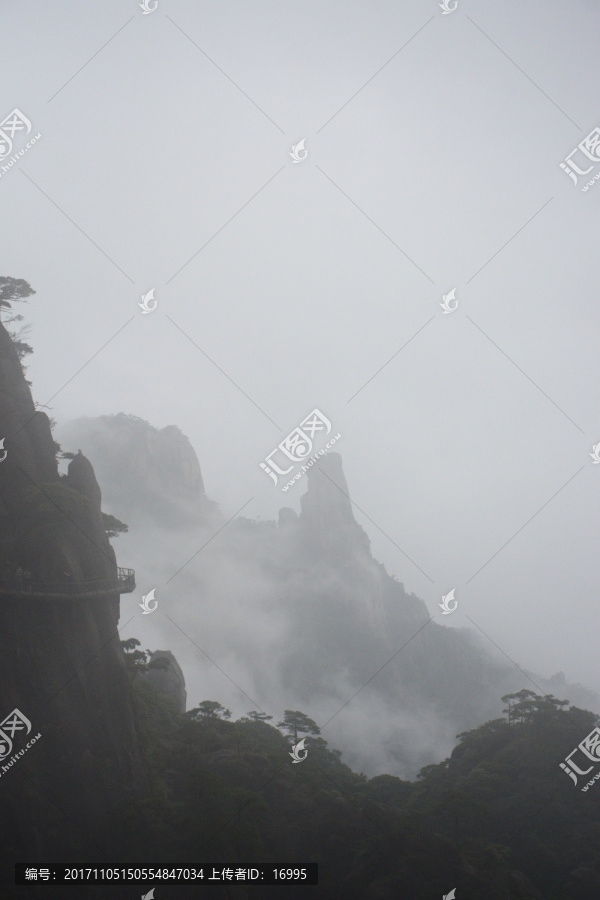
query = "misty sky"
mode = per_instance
[{"x": 164, "y": 163}]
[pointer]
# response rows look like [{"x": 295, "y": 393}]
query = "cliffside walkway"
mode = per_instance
[{"x": 95, "y": 587}]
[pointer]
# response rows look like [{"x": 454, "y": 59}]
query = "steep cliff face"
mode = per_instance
[
  {"x": 327, "y": 545},
  {"x": 147, "y": 473},
  {"x": 94, "y": 557},
  {"x": 61, "y": 663},
  {"x": 330, "y": 531},
  {"x": 26, "y": 436}
]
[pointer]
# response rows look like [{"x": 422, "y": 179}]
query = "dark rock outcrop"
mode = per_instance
[
  {"x": 168, "y": 680},
  {"x": 95, "y": 558}
]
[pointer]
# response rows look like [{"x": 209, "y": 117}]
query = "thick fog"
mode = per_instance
[{"x": 434, "y": 148}]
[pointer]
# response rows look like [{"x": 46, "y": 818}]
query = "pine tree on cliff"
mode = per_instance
[
  {"x": 13, "y": 290},
  {"x": 295, "y": 721}
]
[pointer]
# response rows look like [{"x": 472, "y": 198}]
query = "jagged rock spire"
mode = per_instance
[{"x": 327, "y": 520}]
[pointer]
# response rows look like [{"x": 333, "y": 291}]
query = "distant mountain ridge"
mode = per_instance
[{"x": 344, "y": 622}]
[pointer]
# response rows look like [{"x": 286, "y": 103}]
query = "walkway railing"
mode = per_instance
[{"x": 94, "y": 587}]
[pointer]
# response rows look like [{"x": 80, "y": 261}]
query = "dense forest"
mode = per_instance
[{"x": 496, "y": 820}]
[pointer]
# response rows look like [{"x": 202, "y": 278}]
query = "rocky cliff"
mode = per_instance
[
  {"x": 168, "y": 680},
  {"x": 61, "y": 663},
  {"x": 148, "y": 474}
]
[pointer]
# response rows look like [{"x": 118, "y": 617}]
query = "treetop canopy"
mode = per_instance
[{"x": 12, "y": 289}]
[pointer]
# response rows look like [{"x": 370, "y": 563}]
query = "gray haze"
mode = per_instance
[{"x": 420, "y": 184}]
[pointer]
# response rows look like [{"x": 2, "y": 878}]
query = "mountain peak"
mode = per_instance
[{"x": 326, "y": 519}]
